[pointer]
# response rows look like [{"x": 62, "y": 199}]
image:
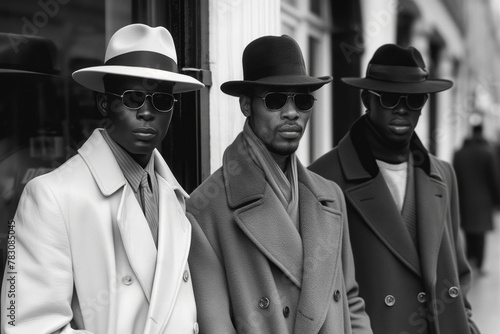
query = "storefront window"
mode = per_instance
[{"x": 46, "y": 116}]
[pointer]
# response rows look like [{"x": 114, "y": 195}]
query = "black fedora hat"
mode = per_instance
[
  {"x": 273, "y": 61},
  {"x": 395, "y": 69},
  {"x": 34, "y": 56}
]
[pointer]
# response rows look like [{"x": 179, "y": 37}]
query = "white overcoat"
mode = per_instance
[{"x": 85, "y": 261}]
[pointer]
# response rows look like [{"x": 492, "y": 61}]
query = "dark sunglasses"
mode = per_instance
[
  {"x": 277, "y": 100},
  {"x": 135, "y": 99},
  {"x": 391, "y": 100}
]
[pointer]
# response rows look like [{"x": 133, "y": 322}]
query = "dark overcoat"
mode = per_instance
[
  {"x": 406, "y": 290},
  {"x": 253, "y": 272},
  {"x": 478, "y": 173}
]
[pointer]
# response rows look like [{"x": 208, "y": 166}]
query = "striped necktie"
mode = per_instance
[{"x": 148, "y": 206}]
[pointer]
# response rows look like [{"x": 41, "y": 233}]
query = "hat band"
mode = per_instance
[
  {"x": 283, "y": 69},
  {"x": 396, "y": 73},
  {"x": 144, "y": 59}
]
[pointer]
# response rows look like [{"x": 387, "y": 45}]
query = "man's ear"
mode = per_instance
[
  {"x": 102, "y": 104},
  {"x": 246, "y": 105},
  {"x": 365, "y": 99}
]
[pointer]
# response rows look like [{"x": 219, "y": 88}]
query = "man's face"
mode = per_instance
[
  {"x": 279, "y": 130},
  {"x": 139, "y": 131},
  {"x": 395, "y": 125}
]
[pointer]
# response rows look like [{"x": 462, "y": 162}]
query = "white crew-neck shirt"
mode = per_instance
[{"x": 395, "y": 176}]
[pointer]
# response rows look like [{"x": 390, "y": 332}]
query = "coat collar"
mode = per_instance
[
  {"x": 106, "y": 171},
  {"x": 363, "y": 166},
  {"x": 241, "y": 190}
]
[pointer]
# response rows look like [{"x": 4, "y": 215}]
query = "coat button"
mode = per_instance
[
  {"x": 127, "y": 280},
  {"x": 185, "y": 277},
  {"x": 422, "y": 297},
  {"x": 286, "y": 311},
  {"x": 336, "y": 295},
  {"x": 196, "y": 328},
  {"x": 453, "y": 292},
  {"x": 264, "y": 302},
  {"x": 390, "y": 300}
]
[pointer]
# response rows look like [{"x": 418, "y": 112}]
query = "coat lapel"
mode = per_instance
[
  {"x": 432, "y": 197},
  {"x": 137, "y": 240},
  {"x": 174, "y": 239},
  {"x": 130, "y": 219},
  {"x": 370, "y": 200},
  {"x": 259, "y": 213},
  {"x": 321, "y": 229},
  {"x": 267, "y": 224}
]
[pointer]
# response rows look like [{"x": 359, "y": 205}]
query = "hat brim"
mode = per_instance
[
  {"x": 238, "y": 88},
  {"x": 427, "y": 86},
  {"x": 91, "y": 77},
  {"x": 5, "y": 71}
]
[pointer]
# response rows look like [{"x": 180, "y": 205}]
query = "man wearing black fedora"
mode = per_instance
[
  {"x": 102, "y": 242},
  {"x": 402, "y": 204},
  {"x": 270, "y": 251}
]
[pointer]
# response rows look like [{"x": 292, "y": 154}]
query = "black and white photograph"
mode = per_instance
[{"x": 250, "y": 167}]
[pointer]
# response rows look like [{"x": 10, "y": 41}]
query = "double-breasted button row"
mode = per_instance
[
  {"x": 390, "y": 300},
  {"x": 453, "y": 292}
]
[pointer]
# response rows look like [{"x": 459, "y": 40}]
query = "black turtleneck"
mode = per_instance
[
  {"x": 370, "y": 145},
  {"x": 383, "y": 149}
]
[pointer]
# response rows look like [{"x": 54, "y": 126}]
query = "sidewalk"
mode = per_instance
[{"x": 484, "y": 295}]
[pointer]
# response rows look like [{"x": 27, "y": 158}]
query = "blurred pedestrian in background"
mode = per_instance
[{"x": 477, "y": 169}]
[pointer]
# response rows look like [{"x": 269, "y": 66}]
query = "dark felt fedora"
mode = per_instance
[
  {"x": 27, "y": 55},
  {"x": 395, "y": 69},
  {"x": 273, "y": 61}
]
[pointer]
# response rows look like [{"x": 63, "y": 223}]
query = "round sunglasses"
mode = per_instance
[
  {"x": 276, "y": 100},
  {"x": 391, "y": 100},
  {"x": 135, "y": 99}
]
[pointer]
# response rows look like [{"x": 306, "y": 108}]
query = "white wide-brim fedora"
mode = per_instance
[{"x": 140, "y": 51}]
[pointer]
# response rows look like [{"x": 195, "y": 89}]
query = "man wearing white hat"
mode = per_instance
[{"x": 102, "y": 242}]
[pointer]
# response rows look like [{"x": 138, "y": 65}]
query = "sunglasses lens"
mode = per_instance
[
  {"x": 133, "y": 99},
  {"x": 416, "y": 101},
  {"x": 275, "y": 100},
  {"x": 304, "y": 101},
  {"x": 163, "y": 101},
  {"x": 389, "y": 100}
]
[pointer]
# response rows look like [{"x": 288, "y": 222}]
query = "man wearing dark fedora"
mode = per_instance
[
  {"x": 270, "y": 251},
  {"x": 102, "y": 242},
  {"x": 402, "y": 204}
]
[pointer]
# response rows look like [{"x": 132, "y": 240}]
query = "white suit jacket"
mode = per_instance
[{"x": 85, "y": 261}]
